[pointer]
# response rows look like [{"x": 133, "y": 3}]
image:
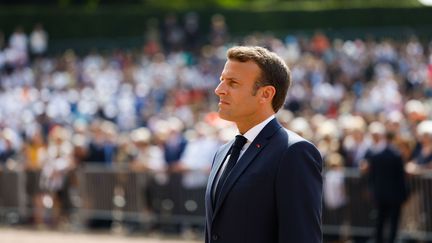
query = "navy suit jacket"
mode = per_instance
[
  {"x": 272, "y": 195},
  {"x": 387, "y": 176}
]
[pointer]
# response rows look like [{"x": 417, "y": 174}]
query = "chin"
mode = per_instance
[{"x": 224, "y": 116}]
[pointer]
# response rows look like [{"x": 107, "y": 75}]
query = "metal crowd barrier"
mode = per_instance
[
  {"x": 121, "y": 195},
  {"x": 357, "y": 217},
  {"x": 12, "y": 196}
]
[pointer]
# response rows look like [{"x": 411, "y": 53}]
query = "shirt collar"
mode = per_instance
[{"x": 252, "y": 133}]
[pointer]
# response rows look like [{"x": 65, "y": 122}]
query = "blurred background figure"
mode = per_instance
[
  {"x": 422, "y": 154},
  {"x": 35, "y": 154},
  {"x": 38, "y": 41},
  {"x": 175, "y": 142},
  {"x": 385, "y": 168},
  {"x": 195, "y": 163},
  {"x": 53, "y": 178},
  {"x": 355, "y": 142},
  {"x": 102, "y": 147},
  {"x": 334, "y": 193},
  {"x": 10, "y": 145},
  {"x": 17, "y": 50},
  {"x": 334, "y": 188},
  {"x": 146, "y": 156},
  {"x": 219, "y": 31},
  {"x": 192, "y": 32},
  {"x": 173, "y": 35}
]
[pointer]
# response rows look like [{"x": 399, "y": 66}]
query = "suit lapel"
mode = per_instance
[
  {"x": 254, "y": 148},
  {"x": 218, "y": 161}
]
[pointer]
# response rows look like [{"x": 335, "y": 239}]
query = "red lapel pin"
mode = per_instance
[{"x": 258, "y": 145}]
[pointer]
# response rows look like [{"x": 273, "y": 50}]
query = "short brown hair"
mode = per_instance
[{"x": 274, "y": 71}]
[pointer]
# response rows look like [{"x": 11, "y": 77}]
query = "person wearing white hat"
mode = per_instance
[
  {"x": 147, "y": 157},
  {"x": 422, "y": 155}
]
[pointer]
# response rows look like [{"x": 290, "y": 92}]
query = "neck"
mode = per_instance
[{"x": 246, "y": 125}]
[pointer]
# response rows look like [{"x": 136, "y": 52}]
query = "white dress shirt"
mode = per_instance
[{"x": 250, "y": 135}]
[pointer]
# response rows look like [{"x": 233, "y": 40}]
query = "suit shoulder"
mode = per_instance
[
  {"x": 295, "y": 142},
  {"x": 299, "y": 150},
  {"x": 294, "y": 138}
]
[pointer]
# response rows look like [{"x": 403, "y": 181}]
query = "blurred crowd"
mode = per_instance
[{"x": 153, "y": 108}]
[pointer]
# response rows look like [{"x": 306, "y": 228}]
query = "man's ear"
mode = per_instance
[{"x": 267, "y": 93}]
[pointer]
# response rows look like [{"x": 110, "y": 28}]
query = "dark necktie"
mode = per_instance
[{"x": 238, "y": 144}]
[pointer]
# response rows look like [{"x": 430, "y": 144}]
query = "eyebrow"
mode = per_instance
[{"x": 228, "y": 79}]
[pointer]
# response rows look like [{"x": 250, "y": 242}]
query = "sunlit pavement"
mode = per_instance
[{"x": 14, "y": 235}]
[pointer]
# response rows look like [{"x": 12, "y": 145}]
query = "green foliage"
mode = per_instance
[
  {"x": 96, "y": 19},
  {"x": 286, "y": 5},
  {"x": 315, "y": 5},
  {"x": 64, "y": 3},
  {"x": 228, "y": 4},
  {"x": 179, "y": 4},
  {"x": 258, "y": 5},
  {"x": 91, "y": 5}
]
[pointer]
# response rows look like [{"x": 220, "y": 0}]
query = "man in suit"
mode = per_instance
[
  {"x": 387, "y": 180},
  {"x": 266, "y": 185}
]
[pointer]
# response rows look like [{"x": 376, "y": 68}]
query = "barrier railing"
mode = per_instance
[
  {"x": 357, "y": 216},
  {"x": 120, "y": 195}
]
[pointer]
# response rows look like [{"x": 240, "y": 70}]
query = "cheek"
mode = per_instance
[{"x": 248, "y": 104}]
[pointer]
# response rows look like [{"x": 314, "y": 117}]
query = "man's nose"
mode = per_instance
[{"x": 220, "y": 89}]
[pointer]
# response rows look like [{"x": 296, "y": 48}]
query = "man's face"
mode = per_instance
[{"x": 236, "y": 91}]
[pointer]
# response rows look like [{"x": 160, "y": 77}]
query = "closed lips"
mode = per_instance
[{"x": 223, "y": 102}]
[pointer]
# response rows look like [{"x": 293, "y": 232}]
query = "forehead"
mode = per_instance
[{"x": 240, "y": 70}]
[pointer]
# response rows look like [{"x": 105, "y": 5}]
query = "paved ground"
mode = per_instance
[{"x": 13, "y": 235}]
